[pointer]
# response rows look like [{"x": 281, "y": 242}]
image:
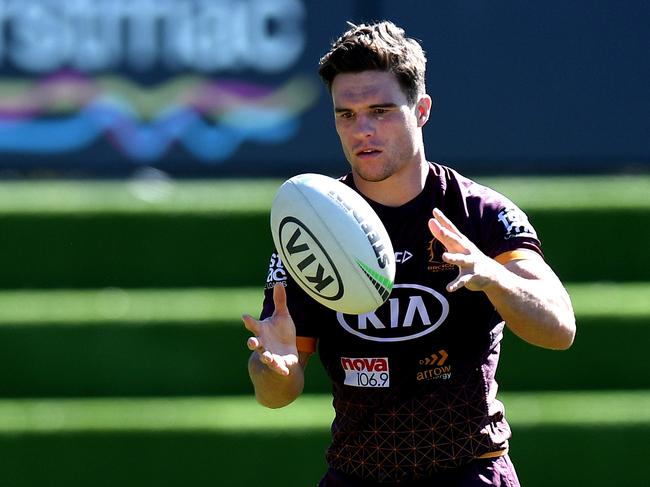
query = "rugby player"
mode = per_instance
[{"x": 413, "y": 383}]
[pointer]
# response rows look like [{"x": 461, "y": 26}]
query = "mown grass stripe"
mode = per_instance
[
  {"x": 310, "y": 412},
  {"x": 132, "y": 305},
  {"x": 578, "y": 408},
  {"x": 137, "y": 196},
  {"x": 155, "y": 194},
  {"x": 237, "y": 414},
  {"x": 611, "y": 299},
  {"x": 228, "y": 304},
  {"x": 575, "y": 192}
]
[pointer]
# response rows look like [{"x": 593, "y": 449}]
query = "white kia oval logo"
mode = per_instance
[
  {"x": 411, "y": 312},
  {"x": 307, "y": 260}
]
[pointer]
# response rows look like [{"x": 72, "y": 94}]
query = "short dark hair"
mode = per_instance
[{"x": 380, "y": 46}]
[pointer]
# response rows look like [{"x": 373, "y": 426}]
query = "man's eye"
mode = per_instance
[
  {"x": 345, "y": 115},
  {"x": 380, "y": 111}
]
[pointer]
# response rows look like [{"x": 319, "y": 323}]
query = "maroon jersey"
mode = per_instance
[{"x": 414, "y": 381}]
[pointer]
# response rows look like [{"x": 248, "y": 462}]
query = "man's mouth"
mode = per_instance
[{"x": 368, "y": 152}]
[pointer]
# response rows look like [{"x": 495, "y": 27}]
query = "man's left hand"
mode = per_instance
[{"x": 476, "y": 270}]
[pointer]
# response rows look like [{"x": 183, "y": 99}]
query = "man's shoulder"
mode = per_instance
[{"x": 452, "y": 183}]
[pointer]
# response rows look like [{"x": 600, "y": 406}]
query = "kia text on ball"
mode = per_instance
[{"x": 307, "y": 254}]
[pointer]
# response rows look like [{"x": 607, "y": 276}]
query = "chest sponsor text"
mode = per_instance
[
  {"x": 366, "y": 372},
  {"x": 412, "y": 311}
]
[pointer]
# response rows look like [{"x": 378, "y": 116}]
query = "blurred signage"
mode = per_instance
[
  {"x": 147, "y": 75},
  {"x": 201, "y": 35},
  {"x": 230, "y": 87}
]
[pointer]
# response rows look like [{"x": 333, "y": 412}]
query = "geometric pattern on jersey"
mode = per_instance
[{"x": 399, "y": 440}]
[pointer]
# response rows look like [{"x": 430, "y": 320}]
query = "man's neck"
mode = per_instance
[{"x": 398, "y": 189}]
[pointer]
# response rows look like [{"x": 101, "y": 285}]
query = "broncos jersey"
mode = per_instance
[{"x": 413, "y": 382}]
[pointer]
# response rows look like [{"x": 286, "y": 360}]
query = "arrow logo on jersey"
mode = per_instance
[{"x": 435, "y": 359}]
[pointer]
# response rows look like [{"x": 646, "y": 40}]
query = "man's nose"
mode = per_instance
[{"x": 365, "y": 126}]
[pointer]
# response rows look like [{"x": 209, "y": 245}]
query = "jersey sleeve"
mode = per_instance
[
  {"x": 506, "y": 232},
  {"x": 303, "y": 309}
]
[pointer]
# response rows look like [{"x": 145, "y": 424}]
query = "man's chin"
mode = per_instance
[{"x": 371, "y": 177}]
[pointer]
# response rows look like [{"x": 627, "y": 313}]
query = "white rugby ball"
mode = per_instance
[{"x": 332, "y": 243}]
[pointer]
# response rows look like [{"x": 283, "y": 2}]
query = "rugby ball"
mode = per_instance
[{"x": 332, "y": 243}]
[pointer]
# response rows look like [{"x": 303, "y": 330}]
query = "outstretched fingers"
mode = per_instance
[
  {"x": 275, "y": 362},
  {"x": 280, "y": 299},
  {"x": 279, "y": 364},
  {"x": 458, "y": 259},
  {"x": 449, "y": 235},
  {"x": 459, "y": 282},
  {"x": 444, "y": 222},
  {"x": 253, "y": 343},
  {"x": 251, "y": 324},
  {"x": 450, "y": 239}
]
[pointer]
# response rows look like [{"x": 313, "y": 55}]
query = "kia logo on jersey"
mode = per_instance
[{"x": 411, "y": 312}]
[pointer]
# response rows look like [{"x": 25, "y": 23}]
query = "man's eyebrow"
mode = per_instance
[
  {"x": 383, "y": 105},
  {"x": 374, "y": 105}
]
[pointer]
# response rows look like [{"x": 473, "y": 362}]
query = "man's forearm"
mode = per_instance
[
  {"x": 272, "y": 389},
  {"x": 537, "y": 310}
]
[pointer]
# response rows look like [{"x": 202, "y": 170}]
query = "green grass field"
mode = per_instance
[
  {"x": 122, "y": 356},
  {"x": 232, "y": 442}
]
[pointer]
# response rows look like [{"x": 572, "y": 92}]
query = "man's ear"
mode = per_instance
[{"x": 423, "y": 109}]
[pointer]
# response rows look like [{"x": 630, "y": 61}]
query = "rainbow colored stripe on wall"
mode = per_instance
[{"x": 211, "y": 119}]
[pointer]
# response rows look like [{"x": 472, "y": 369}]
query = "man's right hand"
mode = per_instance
[{"x": 275, "y": 336}]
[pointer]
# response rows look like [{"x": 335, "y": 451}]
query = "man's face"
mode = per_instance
[{"x": 379, "y": 131}]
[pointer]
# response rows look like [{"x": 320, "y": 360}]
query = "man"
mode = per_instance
[{"x": 469, "y": 261}]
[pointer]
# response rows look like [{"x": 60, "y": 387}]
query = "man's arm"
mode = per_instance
[
  {"x": 275, "y": 366},
  {"x": 525, "y": 292},
  {"x": 532, "y": 301}
]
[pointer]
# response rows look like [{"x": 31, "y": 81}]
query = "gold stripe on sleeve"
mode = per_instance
[
  {"x": 494, "y": 454},
  {"x": 511, "y": 255},
  {"x": 306, "y": 344}
]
